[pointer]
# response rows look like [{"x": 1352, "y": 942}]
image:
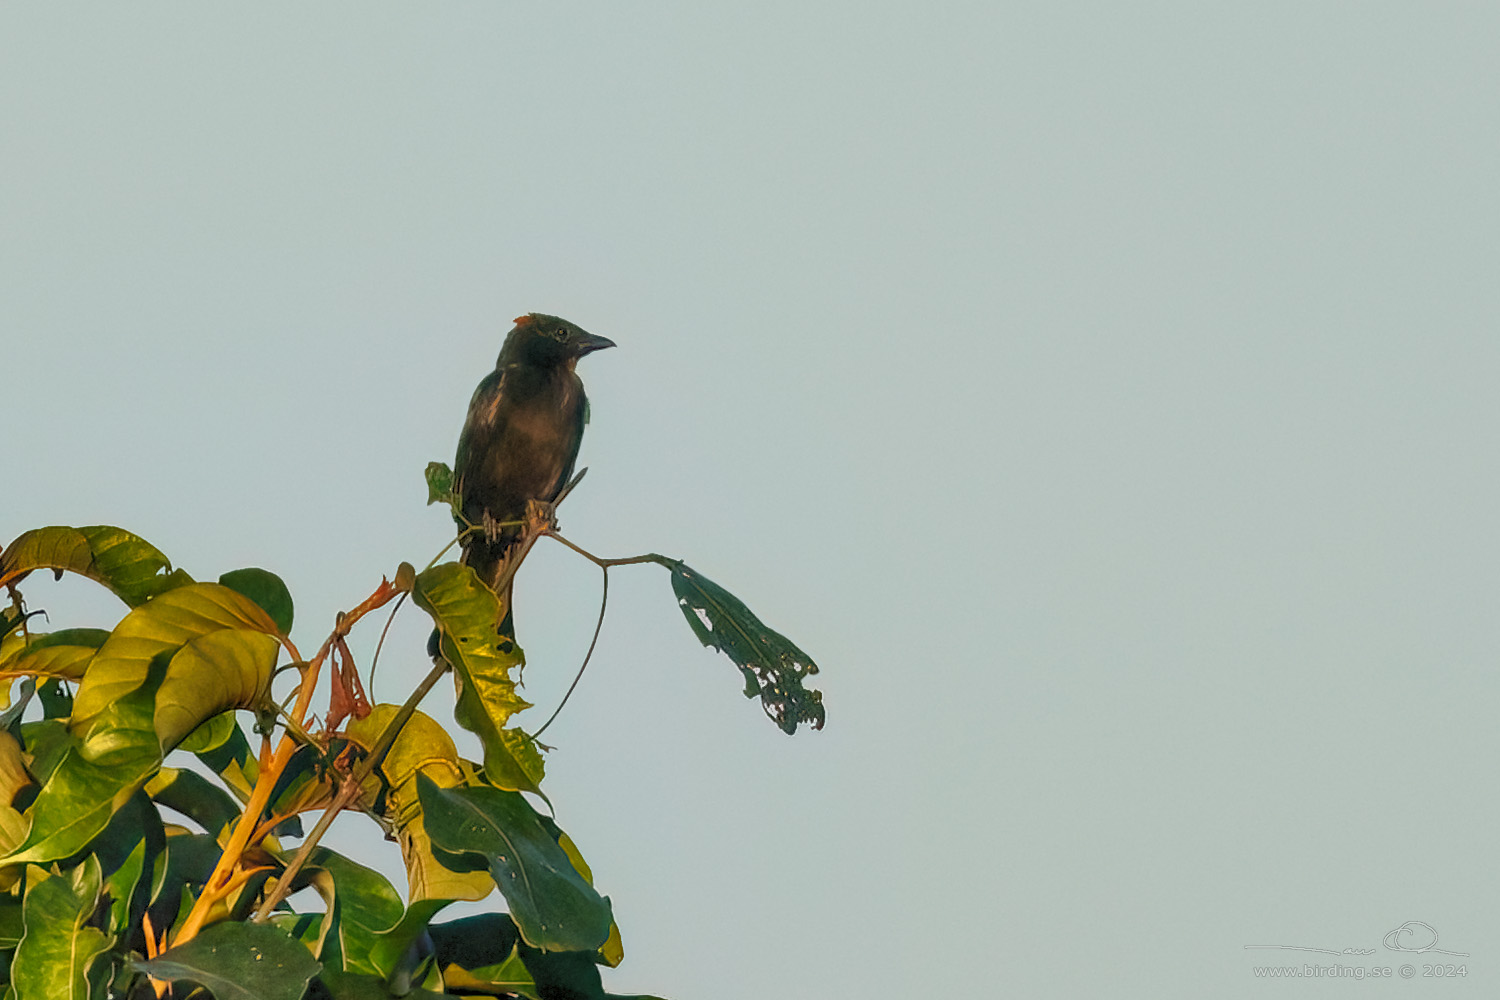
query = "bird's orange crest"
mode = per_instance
[{"x": 522, "y": 320}]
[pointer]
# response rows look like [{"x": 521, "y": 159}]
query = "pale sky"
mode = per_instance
[{"x": 1102, "y": 394}]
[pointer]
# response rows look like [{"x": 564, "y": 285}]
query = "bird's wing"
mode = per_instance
[{"x": 479, "y": 424}]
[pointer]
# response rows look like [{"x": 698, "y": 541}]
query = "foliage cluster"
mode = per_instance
[{"x": 147, "y": 840}]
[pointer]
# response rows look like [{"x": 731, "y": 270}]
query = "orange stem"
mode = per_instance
[{"x": 222, "y": 882}]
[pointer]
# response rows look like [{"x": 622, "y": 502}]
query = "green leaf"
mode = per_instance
[
  {"x": 304, "y": 783},
  {"x": 125, "y": 563},
  {"x": 124, "y": 726},
  {"x": 612, "y": 952},
  {"x": 516, "y": 765},
  {"x": 162, "y": 625},
  {"x": 191, "y": 858},
  {"x": 48, "y": 742},
  {"x": 772, "y": 664},
  {"x": 211, "y": 734},
  {"x": 363, "y": 904},
  {"x": 422, "y": 744},
  {"x": 359, "y": 986},
  {"x": 402, "y": 954},
  {"x": 229, "y": 756},
  {"x": 59, "y": 948},
  {"x": 92, "y": 638},
  {"x": 570, "y": 974},
  {"x": 440, "y": 485},
  {"x": 77, "y": 802},
  {"x": 56, "y": 699},
  {"x": 553, "y": 905},
  {"x": 230, "y": 668},
  {"x": 482, "y": 954},
  {"x": 307, "y": 929},
  {"x": 90, "y": 783},
  {"x": 465, "y": 612},
  {"x": 12, "y": 923},
  {"x": 195, "y": 797},
  {"x": 265, "y": 589},
  {"x": 238, "y": 961},
  {"x": 128, "y": 850}
]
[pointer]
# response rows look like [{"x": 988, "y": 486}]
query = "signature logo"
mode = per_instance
[{"x": 1415, "y": 936}]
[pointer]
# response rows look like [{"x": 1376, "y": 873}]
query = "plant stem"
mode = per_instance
[{"x": 221, "y": 882}]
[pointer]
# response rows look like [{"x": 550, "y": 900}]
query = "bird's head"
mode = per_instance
[{"x": 548, "y": 341}]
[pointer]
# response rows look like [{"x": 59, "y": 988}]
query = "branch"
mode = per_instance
[
  {"x": 221, "y": 883},
  {"x": 349, "y": 789}
]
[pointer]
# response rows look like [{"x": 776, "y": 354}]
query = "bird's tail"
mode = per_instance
[{"x": 507, "y": 626}]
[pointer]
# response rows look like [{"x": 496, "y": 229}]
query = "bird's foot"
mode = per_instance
[
  {"x": 541, "y": 517},
  {"x": 492, "y": 528}
]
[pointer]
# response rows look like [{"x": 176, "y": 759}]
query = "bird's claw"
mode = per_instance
[{"x": 541, "y": 517}]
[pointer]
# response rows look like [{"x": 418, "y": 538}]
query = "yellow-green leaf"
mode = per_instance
[
  {"x": 78, "y": 800},
  {"x": 230, "y": 668},
  {"x": 125, "y": 563},
  {"x": 59, "y": 947},
  {"x": 238, "y": 961},
  {"x": 465, "y": 612},
  {"x": 422, "y": 747},
  {"x": 64, "y": 654},
  {"x": 160, "y": 625}
]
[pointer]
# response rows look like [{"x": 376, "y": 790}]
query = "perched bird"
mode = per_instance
[{"x": 521, "y": 437}]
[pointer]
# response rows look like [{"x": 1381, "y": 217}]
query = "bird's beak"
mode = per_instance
[{"x": 588, "y": 344}]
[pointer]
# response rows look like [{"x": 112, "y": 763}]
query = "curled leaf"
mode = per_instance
[
  {"x": 161, "y": 625},
  {"x": 221, "y": 670},
  {"x": 63, "y": 654},
  {"x": 125, "y": 563}
]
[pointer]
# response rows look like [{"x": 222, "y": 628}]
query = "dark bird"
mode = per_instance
[{"x": 521, "y": 437}]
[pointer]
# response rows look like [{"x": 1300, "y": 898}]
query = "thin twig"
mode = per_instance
[
  {"x": 598, "y": 627},
  {"x": 604, "y": 566},
  {"x": 650, "y": 557},
  {"x": 375, "y": 660}
]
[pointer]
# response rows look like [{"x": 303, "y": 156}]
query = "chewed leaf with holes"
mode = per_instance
[
  {"x": 484, "y": 663},
  {"x": 772, "y": 664}
]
